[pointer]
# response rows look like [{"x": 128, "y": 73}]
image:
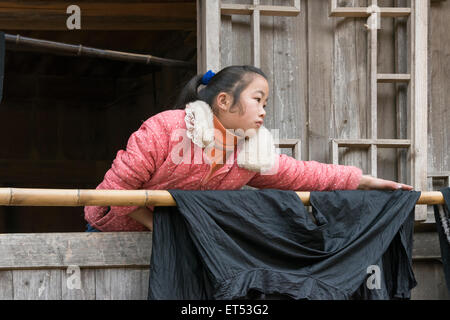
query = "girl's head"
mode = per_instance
[{"x": 236, "y": 94}]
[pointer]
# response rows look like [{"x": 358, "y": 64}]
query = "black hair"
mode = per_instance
[{"x": 232, "y": 80}]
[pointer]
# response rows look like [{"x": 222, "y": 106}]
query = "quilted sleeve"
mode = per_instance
[
  {"x": 146, "y": 150},
  {"x": 299, "y": 175}
]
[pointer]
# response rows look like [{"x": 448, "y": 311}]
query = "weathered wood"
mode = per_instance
[
  {"x": 121, "y": 284},
  {"x": 6, "y": 285},
  {"x": 362, "y": 12},
  {"x": 265, "y": 10},
  {"x": 290, "y": 76},
  {"x": 208, "y": 32},
  {"x": 255, "y": 23},
  {"x": 87, "y": 284},
  {"x": 430, "y": 279},
  {"x": 320, "y": 80},
  {"x": 101, "y": 15},
  {"x": 438, "y": 89},
  {"x": 61, "y": 250},
  {"x": 37, "y": 284},
  {"x": 392, "y": 77},
  {"x": 349, "y": 89},
  {"x": 419, "y": 103},
  {"x": 293, "y": 144},
  {"x": 380, "y": 143}
]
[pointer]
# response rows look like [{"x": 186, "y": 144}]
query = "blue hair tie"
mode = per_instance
[{"x": 207, "y": 77}]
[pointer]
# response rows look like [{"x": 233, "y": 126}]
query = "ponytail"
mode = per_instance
[
  {"x": 189, "y": 93},
  {"x": 232, "y": 80}
]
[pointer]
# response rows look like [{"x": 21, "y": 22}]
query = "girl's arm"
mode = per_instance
[
  {"x": 144, "y": 216},
  {"x": 293, "y": 174},
  {"x": 146, "y": 150}
]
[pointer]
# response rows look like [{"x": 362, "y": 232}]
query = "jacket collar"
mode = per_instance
[{"x": 256, "y": 152}]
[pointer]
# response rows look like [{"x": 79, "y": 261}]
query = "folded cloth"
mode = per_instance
[
  {"x": 442, "y": 217},
  {"x": 229, "y": 244}
]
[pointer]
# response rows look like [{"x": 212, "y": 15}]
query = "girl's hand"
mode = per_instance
[{"x": 368, "y": 183}]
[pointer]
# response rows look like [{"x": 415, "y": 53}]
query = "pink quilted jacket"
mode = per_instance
[{"x": 146, "y": 164}]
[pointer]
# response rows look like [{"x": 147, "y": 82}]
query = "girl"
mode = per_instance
[{"x": 214, "y": 140}]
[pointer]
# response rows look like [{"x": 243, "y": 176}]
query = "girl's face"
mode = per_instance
[{"x": 253, "y": 100}]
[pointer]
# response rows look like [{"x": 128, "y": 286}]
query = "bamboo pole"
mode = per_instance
[
  {"x": 80, "y": 50},
  {"x": 88, "y": 197}
]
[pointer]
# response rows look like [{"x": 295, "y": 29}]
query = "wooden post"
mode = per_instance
[
  {"x": 419, "y": 99},
  {"x": 208, "y": 35}
]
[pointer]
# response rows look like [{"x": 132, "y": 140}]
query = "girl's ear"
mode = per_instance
[{"x": 223, "y": 101}]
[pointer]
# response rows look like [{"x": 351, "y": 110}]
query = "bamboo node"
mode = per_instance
[
  {"x": 80, "y": 47},
  {"x": 17, "y": 39},
  {"x": 78, "y": 197}
]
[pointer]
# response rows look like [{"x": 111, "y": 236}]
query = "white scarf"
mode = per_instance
[{"x": 257, "y": 153}]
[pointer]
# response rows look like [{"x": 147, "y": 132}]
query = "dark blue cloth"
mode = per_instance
[
  {"x": 90, "y": 228},
  {"x": 442, "y": 216},
  {"x": 230, "y": 244}
]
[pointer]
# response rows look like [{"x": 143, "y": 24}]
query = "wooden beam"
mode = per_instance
[
  {"x": 419, "y": 104},
  {"x": 361, "y": 12},
  {"x": 293, "y": 144},
  {"x": 444, "y": 174},
  {"x": 393, "y": 77},
  {"x": 208, "y": 35},
  {"x": 380, "y": 143},
  {"x": 51, "y": 15},
  {"x": 83, "y": 249},
  {"x": 256, "y": 35},
  {"x": 265, "y": 10}
]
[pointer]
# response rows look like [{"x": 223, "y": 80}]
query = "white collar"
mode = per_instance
[{"x": 257, "y": 153}]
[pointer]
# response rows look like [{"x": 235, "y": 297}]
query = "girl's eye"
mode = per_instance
[{"x": 258, "y": 99}]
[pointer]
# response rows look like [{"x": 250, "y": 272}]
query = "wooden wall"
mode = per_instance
[{"x": 317, "y": 67}]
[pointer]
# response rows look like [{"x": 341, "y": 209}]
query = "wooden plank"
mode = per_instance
[
  {"x": 121, "y": 284},
  {"x": 226, "y": 41},
  {"x": 380, "y": 143},
  {"x": 290, "y": 85},
  {"x": 361, "y": 12},
  {"x": 392, "y": 77},
  {"x": 265, "y": 10},
  {"x": 439, "y": 95},
  {"x": 401, "y": 67},
  {"x": 82, "y": 289},
  {"x": 209, "y": 48},
  {"x": 320, "y": 80},
  {"x": 6, "y": 285},
  {"x": 242, "y": 39},
  {"x": 430, "y": 279},
  {"x": 37, "y": 284},
  {"x": 349, "y": 109},
  {"x": 51, "y": 15},
  {"x": 256, "y": 37},
  {"x": 85, "y": 249},
  {"x": 386, "y": 98},
  {"x": 419, "y": 114},
  {"x": 443, "y": 174}
]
